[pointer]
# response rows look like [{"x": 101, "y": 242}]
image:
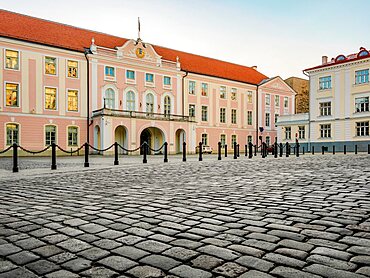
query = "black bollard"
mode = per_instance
[
  {"x": 255, "y": 150},
  {"x": 276, "y": 150},
  {"x": 368, "y": 149},
  {"x": 355, "y": 149},
  {"x": 53, "y": 157},
  {"x": 15, "y": 158},
  {"x": 238, "y": 149},
  {"x": 235, "y": 151},
  {"x": 313, "y": 150},
  {"x": 294, "y": 147},
  {"x": 116, "y": 162},
  {"x": 165, "y": 152},
  {"x": 246, "y": 150},
  {"x": 322, "y": 150},
  {"x": 250, "y": 147},
  {"x": 303, "y": 150},
  {"x": 145, "y": 150},
  {"x": 281, "y": 149},
  {"x": 219, "y": 150},
  {"x": 184, "y": 151},
  {"x": 264, "y": 150},
  {"x": 333, "y": 149},
  {"x": 286, "y": 149},
  {"x": 345, "y": 149},
  {"x": 297, "y": 148},
  {"x": 225, "y": 150},
  {"x": 86, "y": 164},
  {"x": 200, "y": 151}
]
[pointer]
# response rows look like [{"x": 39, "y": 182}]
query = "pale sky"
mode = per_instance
[{"x": 281, "y": 37}]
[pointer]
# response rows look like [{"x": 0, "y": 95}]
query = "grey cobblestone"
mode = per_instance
[{"x": 309, "y": 218}]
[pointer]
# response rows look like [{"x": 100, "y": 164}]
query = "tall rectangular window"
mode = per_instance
[
  {"x": 11, "y": 59},
  {"x": 222, "y": 115},
  {"x": 223, "y": 140},
  {"x": 233, "y": 93},
  {"x": 223, "y": 92},
  {"x": 301, "y": 132},
  {"x": 288, "y": 133},
  {"x": 233, "y": 140},
  {"x": 286, "y": 102},
  {"x": 73, "y": 100},
  {"x": 205, "y": 139},
  {"x": 362, "y": 104},
  {"x": 268, "y": 99},
  {"x": 325, "y": 130},
  {"x": 249, "y": 117},
  {"x": 362, "y": 128},
  {"x": 72, "y": 136},
  {"x": 233, "y": 116},
  {"x": 325, "y": 82},
  {"x": 72, "y": 67},
  {"x": 268, "y": 140},
  {"x": 50, "y": 134},
  {"x": 204, "y": 113},
  {"x": 277, "y": 100},
  {"x": 362, "y": 76},
  {"x": 110, "y": 71},
  {"x": 204, "y": 89},
  {"x": 130, "y": 74},
  {"x": 249, "y": 97},
  {"x": 191, "y": 110},
  {"x": 325, "y": 108},
  {"x": 192, "y": 87},
  {"x": 267, "y": 119},
  {"x": 249, "y": 139},
  {"x": 166, "y": 80},
  {"x": 12, "y": 134},
  {"x": 12, "y": 95},
  {"x": 50, "y": 98},
  {"x": 50, "y": 65},
  {"x": 149, "y": 77}
]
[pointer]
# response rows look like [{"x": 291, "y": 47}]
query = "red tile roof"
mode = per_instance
[{"x": 31, "y": 29}]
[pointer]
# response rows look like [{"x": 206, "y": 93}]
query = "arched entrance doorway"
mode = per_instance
[
  {"x": 180, "y": 139},
  {"x": 120, "y": 136},
  {"x": 154, "y": 137},
  {"x": 97, "y": 142}
]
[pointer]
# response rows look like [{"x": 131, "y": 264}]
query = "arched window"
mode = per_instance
[
  {"x": 12, "y": 134},
  {"x": 109, "y": 99},
  {"x": 130, "y": 101},
  {"x": 149, "y": 103},
  {"x": 167, "y": 105}
]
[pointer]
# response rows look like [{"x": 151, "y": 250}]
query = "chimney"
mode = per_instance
[
  {"x": 254, "y": 67},
  {"x": 324, "y": 60}
]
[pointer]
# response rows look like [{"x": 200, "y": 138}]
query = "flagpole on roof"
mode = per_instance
[{"x": 138, "y": 28}]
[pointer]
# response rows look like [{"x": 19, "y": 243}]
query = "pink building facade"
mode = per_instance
[{"x": 88, "y": 86}]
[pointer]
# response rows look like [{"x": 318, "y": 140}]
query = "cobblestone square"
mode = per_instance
[{"x": 283, "y": 217}]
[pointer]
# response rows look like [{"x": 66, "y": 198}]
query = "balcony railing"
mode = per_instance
[{"x": 142, "y": 115}]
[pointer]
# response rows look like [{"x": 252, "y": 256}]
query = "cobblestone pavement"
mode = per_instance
[{"x": 259, "y": 218}]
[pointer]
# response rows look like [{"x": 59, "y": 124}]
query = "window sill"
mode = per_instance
[
  {"x": 360, "y": 84},
  {"x": 11, "y": 69},
  {"x": 131, "y": 81},
  {"x": 167, "y": 87},
  {"x": 110, "y": 78},
  {"x": 148, "y": 84},
  {"x": 324, "y": 90}
]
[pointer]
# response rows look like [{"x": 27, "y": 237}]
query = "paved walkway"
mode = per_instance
[{"x": 284, "y": 217}]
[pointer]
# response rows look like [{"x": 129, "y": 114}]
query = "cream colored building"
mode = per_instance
[{"x": 339, "y": 104}]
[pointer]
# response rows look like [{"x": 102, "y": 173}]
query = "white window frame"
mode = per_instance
[
  {"x": 19, "y": 59},
  {"x": 56, "y": 66},
  {"x": 19, "y": 95},
  {"x": 56, "y": 133},
  {"x": 78, "y": 69},
  {"x": 56, "y": 98},
  {"x": 78, "y": 100}
]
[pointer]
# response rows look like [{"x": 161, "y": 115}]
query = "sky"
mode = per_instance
[{"x": 280, "y": 37}]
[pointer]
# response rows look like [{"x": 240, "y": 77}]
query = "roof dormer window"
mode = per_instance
[{"x": 340, "y": 58}]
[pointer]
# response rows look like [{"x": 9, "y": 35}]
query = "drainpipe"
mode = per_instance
[
  {"x": 257, "y": 128},
  {"x": 88, "y": 51},
  {"x": 183, "y": 94}
]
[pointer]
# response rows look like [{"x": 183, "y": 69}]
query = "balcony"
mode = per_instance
[
  {"x": 141, "y": 115},
  {"x": 301, "y": 118}
]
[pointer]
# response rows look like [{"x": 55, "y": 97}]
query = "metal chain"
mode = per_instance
[
  {"x": 7, "y": 149},
  {"x": 70, "y": 152},
  {"x": 103, "y": 150},
  {"x": 34, "y": 152}
]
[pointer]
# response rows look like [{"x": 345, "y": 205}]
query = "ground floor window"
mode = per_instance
[
  {"x": 268, "y": 141},
  {"x": 362, "y": 128},
  {"x": 233, "y": 140},
  {"x": 72, "y": 136},
  {"x": 223, "y": 140},
  {"x": 205, "y": 139},
  {"x": 301, "y": 132},
  {"x": 325, "y": 131},
  {"x": 12, "y": 134},
  {"x": 50, "y": 134},
  {"x": 250, "y": 139},
  {"x": 288, "y": 133}
]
